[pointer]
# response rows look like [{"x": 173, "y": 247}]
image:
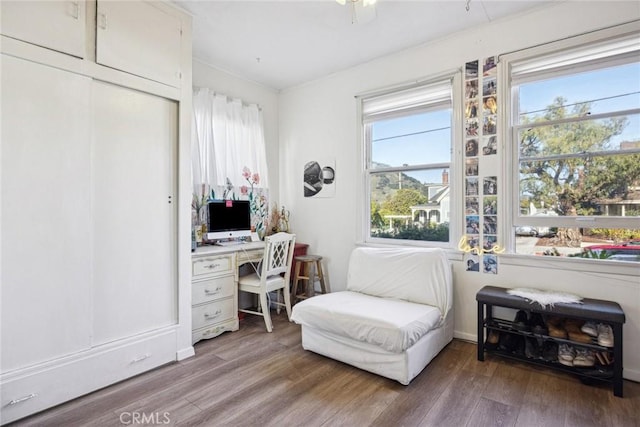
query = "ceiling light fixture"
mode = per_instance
[
  {"x": 360, "y": 4},
  {"x": 365, "y": 3}
]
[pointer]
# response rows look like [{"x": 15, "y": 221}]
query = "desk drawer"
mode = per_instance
[
  {"x": 212, "y": 289},
  {"x": 214, "y": 312},
  {"x": 212, "y": 265},
  {"x": 251, "y": 255}
]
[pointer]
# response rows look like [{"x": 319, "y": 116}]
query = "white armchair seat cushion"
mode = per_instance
[{"x": 394, "y": 325}]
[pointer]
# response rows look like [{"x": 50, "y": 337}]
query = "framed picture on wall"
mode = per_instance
[{"x": 319, "y": 178}]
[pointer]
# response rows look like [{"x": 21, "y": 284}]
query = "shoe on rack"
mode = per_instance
[
  {"x": 507, "y": 342},
  {"x": 590, "y": 328},
  {"x": 537, "y": 325},
  {"x": 574, "y": 330},
  {"x": 550, "y": 351},
  {"x": 566, "y": 354},
  {"x": 493, "y": 338},
  {"x": 532, "y": 349},
  {"x": 605, "y": 335},
  {"x": 520, "y": 346},
  {"x": 521, "y": 322},
  {"x": 601, "y": 359},
  {"x": 584, "y": 358},
  {"x": 556, "y": 327}
]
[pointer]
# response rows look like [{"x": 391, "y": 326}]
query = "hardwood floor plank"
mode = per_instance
[
  {"x": 491, "y": 413},
  {"x": 508, "y": 383},
  {"x": 411, "y": 406},
  {"x": 465, "y": 390},
  {"x": 544, "y": 402},
  {"x": 371, "y": 397},
  {"x": 584, "y": 405},
  {"x": 315, "y": 399}
]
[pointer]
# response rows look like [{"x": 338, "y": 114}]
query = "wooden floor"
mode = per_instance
[{"x": 253, "y": 378}]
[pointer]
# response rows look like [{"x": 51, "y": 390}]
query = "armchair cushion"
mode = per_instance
[
  {"x": 394, "y": 325},
  {"x": 395, "y": 273}
]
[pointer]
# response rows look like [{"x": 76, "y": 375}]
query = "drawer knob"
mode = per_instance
[
  {"x": 212, "y": 266},
  {"x": 213, "y": 292},
  {"x": 22, "y": 399}
]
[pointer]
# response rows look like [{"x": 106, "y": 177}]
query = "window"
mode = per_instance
[
  {"x": 408, "y": 146},
  {"x": 575, "y": 150}
]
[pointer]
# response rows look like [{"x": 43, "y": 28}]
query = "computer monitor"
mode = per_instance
[{"x": 229, "y": 219}]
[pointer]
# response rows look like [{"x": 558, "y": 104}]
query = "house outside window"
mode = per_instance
[
  {"x": 408, "y": 143},
  {"x": 575, "y": 147}
]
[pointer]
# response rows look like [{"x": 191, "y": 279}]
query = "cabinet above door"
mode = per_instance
[
  {"x": 139, "y": 38},
  {"x": 54, "y": 24}
]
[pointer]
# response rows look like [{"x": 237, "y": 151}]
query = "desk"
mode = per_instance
[{"x": 214, "y": 287}]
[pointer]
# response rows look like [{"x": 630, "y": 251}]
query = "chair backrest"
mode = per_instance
[{"x": 278, "y": 254}]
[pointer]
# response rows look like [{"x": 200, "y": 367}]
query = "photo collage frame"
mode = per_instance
[{"x": 480, "y": 191}]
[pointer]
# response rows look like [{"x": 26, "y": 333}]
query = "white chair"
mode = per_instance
[{"x": 273, "y": 275}]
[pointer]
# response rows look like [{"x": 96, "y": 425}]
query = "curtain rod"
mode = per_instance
[{"x": 244, "y": 103}]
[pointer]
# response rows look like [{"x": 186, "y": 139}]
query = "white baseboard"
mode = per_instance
[
  {"x": 465, "y": 336},
  {"x": 185, "y": 353}
]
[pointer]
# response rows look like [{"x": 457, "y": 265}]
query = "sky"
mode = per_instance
[{"x": 429, "y": 130}]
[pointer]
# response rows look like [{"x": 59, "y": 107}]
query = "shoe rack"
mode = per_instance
[{"x": 590, "y": 310}]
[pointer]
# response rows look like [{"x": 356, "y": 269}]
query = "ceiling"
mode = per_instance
[{"x": 281, "y": 44}]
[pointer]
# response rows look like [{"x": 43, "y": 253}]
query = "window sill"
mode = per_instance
[{"x": 623, "y": 268}]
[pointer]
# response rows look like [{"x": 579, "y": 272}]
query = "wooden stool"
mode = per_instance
[{"x": 311, "y": 270}]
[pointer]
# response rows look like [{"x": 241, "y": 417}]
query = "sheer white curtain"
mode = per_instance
[
  {"x": 228, "y": 149},
  {"x": 227, "y": 137}
]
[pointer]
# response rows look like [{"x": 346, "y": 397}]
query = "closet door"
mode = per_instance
[
  {"x": 134, "y": 251},
  {"x": 46, "y": 216},
  {"x": 54, "y": 24},
  {"x": 140, "y": 38}
]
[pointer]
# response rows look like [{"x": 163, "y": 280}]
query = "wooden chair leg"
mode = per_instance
[
  {"x": 266, "y": 313},
  {"x": 287, "y": 301}
]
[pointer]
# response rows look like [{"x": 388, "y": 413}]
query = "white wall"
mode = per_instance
[
  {"x": 253, "y": 93},
  {"x": 318, "y": 119}
]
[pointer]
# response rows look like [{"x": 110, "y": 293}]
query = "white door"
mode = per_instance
[
  {"x": 46, "y": 216},
  {"x": 141, "y": 39},
  {"x": 135, "y": 279},
  {"x": 54, "y": 24}
]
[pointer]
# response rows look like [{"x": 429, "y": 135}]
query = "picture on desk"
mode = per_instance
[{"x": 319, "y": 178}]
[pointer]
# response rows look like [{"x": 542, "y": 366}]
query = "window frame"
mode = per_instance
[
  {"x": 365, "y": 149},
  {"x": 509, "y": 98}
]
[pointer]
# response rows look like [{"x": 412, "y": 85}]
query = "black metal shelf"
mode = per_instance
[
  {"x": 599, "y": 311},
  {"x": 507, "y": 326},
  {"x": 605, "y": 376}
]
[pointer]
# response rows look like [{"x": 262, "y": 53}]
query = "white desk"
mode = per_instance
[{"x": 214, "y": 287}]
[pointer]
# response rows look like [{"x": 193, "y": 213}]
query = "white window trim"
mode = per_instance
[
  {"x": 510, "y": 166},
  {"x": 363, "y": 219}
]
